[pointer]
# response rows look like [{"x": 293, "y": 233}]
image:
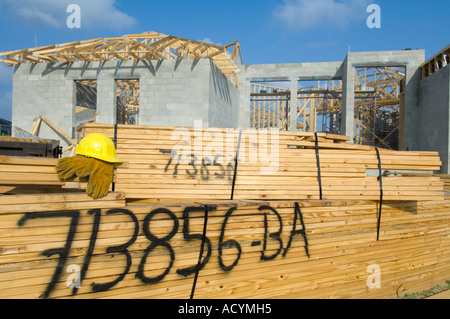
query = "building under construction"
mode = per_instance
[{"x": 391, "y": 99}]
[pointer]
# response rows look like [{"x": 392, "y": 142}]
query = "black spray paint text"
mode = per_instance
[{"x": 162, "y": 241}]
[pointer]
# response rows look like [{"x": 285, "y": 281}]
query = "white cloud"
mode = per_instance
[
  {"x": 35, "y": 14},
  {"x": 307, "y": 14},
  {"x": 95, "y": 14},
  {"x": 208, "y": 40}
]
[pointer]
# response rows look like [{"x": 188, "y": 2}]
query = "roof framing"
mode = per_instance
[
  {"x": 145, "y": 46},
  {"x": 436, "y": 62}
]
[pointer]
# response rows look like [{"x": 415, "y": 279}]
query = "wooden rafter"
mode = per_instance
[
  {"x": 145, "y": 46},
  {"x": 436, "y": 62}
]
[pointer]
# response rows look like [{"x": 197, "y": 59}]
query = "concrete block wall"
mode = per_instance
[
  {"x": 175, "y": 93},
  {"x": 434, "y": 114},
  {"x": 37, "y": 90},
  {"x": 292, "y": 72},
  {"x": 411, "y": 60},
  {"x": 345, "y": 71},
  {"x": 223, "y": 100},
  {"x": 172, "y": 93}
]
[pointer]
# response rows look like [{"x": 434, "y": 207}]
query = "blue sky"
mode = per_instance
[{"x": 270, "y": 31}]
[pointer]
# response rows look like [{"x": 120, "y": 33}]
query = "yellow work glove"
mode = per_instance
[
  {"x": 68, "y": 167},
  {"x": 100, "y": 173},
  {"x": 100, "y": 179}
]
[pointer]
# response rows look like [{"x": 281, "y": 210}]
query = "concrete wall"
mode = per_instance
[
  {"x": 345, "y": 71},
  {"x": 223, "y": 100},
  {"x": 292, "y": 72},
  {"x": 411, "y": 60},
  {"x": 434, "y": 106},
  {"x": 172, "y": 93},
  {"x": 40, "y": 89}
]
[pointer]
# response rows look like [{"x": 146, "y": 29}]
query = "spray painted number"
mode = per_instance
[
  {"x": 159, "y": 242},
  {"x": 199, "y": 167}
]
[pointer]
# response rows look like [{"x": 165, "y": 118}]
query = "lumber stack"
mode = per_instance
[
  {"x": 445, "y": 178},
  {"x": 251, "y": 251},
  {"x": 275, "y": 239},
  {"x": 56, "y": 202},
  {"x": 35, "y": 175},
  {"x": 18, "y": 170},
  {"x": 170, "y": 163}
]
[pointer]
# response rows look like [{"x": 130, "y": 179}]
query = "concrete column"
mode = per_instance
[
  {"x": 244, "y": 101},
  {"x": 293, "y": 106},
  {"x": 410, "y": 116},
  {"x": 348, "y": 99},
  {"x": 106, "y": 99}
]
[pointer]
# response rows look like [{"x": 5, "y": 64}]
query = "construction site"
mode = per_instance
[{"x": 153, "y": 166}]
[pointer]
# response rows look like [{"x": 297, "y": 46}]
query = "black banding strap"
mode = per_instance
[
  {"x": 236, "y": 163},
  {"x": 113, "y": 186},
  {"x": 381, "y": 193},
  {"x": 115, "y": 135},
  {"x": 205, "y": 223},
  {"x": 319, "y": 177}
]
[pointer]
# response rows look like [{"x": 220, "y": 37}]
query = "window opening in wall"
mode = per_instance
[
  {"x": 319, "y": 106},
  {"x": 127, "y": 101},
  {"x": 86, "y": 101},
  {"x": 378, "y": 105},
  {"x": 269, "y": 105}
]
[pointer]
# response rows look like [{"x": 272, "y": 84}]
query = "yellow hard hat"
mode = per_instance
[{"x": 99, "y": 146}]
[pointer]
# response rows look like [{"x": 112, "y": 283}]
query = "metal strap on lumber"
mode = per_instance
[
  {"x": 381, "y": 193},
  {"x": 236, "y": 163},
  {"x": 318, "y": 165},
  {"x": 113, "y": 184}
]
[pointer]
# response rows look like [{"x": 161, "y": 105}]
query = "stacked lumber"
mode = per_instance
[
  {"x": 58, "y": 201},
  {"x": 445, "y": 178},
  {"x": 254, "y": 250},
  {"x": 18, "y": 170},
  {"x": 275, "y": 239},
  {"x": 171, "y": 163}
]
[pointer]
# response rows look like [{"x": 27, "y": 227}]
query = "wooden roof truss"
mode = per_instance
[
  {"x": 436, "y": 62},
  {"x": 137, "y": 47}
]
